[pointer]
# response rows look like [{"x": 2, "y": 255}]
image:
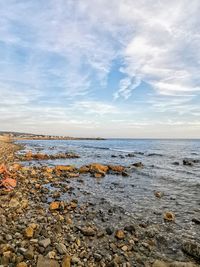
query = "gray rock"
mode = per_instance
[
  {"x": 45, "y": 242},
  {"x": 61, "y": 248}
]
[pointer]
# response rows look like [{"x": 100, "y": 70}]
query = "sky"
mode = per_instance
[{"x": 117, "y": 68}]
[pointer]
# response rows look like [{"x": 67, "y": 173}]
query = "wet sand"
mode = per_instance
[{"x": 49, "y": 220}]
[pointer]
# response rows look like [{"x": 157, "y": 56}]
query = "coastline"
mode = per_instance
[{"x": 42, "y": 229}]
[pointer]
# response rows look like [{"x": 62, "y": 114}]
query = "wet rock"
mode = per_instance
[
  {"x": 45, "y": 242},
  {"x": 67, "y": 168},
  {"x": 44, "y": 262},
  {"x": 61, "y": 248},
  {"x": 109, "y": 230},
  {"x": 192, "y": 249},
  {"x": 96, "y": 167},
  {"x": 196, "y": 220},
  {"x": 84, "y": 169},
  {"x": 187, "y": 162},
  {"x": 130, "y": 228},
  {"x": 98, "y": 174},
  {"x": 116, "y": 168},
  {"x": 176, "y": 163},
  {"x": 138, "y": 165},
  {"x": 158, "y": 194},
  {"x": 169, "y": 216},
  {"x": 66, "y": 262},
  {"x": 119, "y": 234}
]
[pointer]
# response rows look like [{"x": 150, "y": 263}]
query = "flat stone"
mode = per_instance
[
  {"x": 61, "y": 248},
  {"x": 45, "y": 242},
  {"x": 44, "y": 262}
]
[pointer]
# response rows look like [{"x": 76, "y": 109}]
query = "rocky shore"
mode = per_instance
[{"x": 44, "y": 223}]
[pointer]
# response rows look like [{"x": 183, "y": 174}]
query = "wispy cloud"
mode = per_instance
[{"x": 75, "y": 57}]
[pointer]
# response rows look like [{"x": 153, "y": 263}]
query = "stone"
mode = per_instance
[
  {"x": 116, "y": 168},
  {"x": 119, "y": 234},
  {"x": 29, "y": 232},
  {"x": 159, "y": 263},
  {"x": 54, "y": 205},
  {"x": 130, "y": 228},
  {"x": 124, "y": 248},
  {"x": 109, "y": 230},
  {"x": 44, "y": 262},
  {"x": 67, "y": 168},
  {"x": 99, "y": 174},
  {"x": 169, "y": 216},
  {"x": 97, "y": 256},
  {"x": 182, "y": 264},
  {"x": 192, "y": 249},
  {"x": 96, "y": 167},
  {"x": 138, "y": 164},
  {"x": 61, "y": 248},
  {"x": 14, "y": 203},
  {"x": 84, "y": 169},
  {"x": 45, "y": 242},
  {"x": 29, "y": 254},
  {"x": 158, "y": 194},
  {"x": 22, "y": 264},
  {"x": 66, "y": 262},
  {"x": 88, "y": 231},
  {"x": 196, "y": 220}
]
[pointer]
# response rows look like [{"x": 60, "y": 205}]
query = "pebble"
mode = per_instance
[
  {"x": 45, "y": 242},
  {"x": 119, "y": 234},
  {"x": 61, "y": 248}
]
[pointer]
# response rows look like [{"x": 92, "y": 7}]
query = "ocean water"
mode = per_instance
[{"x": 135, "y": 194}]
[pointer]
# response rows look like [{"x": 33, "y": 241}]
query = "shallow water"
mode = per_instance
[{"x": 135, "y": 194}]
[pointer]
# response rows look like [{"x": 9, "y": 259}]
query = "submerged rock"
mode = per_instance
[
  {"x": 192, "y": 249},
  {"x": 169, "y": 216}
]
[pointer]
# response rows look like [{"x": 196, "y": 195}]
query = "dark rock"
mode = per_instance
[
  {"x": 192, "y": 249},
  {"x": 130, "y": 228},
  {"x": 109, "y": 230}
]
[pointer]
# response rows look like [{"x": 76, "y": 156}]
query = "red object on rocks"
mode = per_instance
[{"x": 6, "y": 182}]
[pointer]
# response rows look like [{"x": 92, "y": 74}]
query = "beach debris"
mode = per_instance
[
  {"x": 6, "y": 182},
  {"x": 169, "y": 216}
]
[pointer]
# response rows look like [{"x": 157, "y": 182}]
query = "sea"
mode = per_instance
[{"x": 163, "y": 171}]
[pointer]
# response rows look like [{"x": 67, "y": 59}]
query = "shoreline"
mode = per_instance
[{"x": 41, "y": 228}]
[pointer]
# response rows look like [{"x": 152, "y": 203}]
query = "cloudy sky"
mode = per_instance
[{"x": 117, "y": 68}]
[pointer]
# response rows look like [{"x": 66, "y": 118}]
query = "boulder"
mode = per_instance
[
  {"x": 116, "y": 168},
  {"x": 68, "y": 168},
  {"x": 96, "y": 167}
]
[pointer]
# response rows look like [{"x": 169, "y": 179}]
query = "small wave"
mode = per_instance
[
  {"x": 97, "y": 147},
  {"x": 155, "y": 154}
]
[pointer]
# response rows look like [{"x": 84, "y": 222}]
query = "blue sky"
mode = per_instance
[{"x": 100, "y": 68}]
